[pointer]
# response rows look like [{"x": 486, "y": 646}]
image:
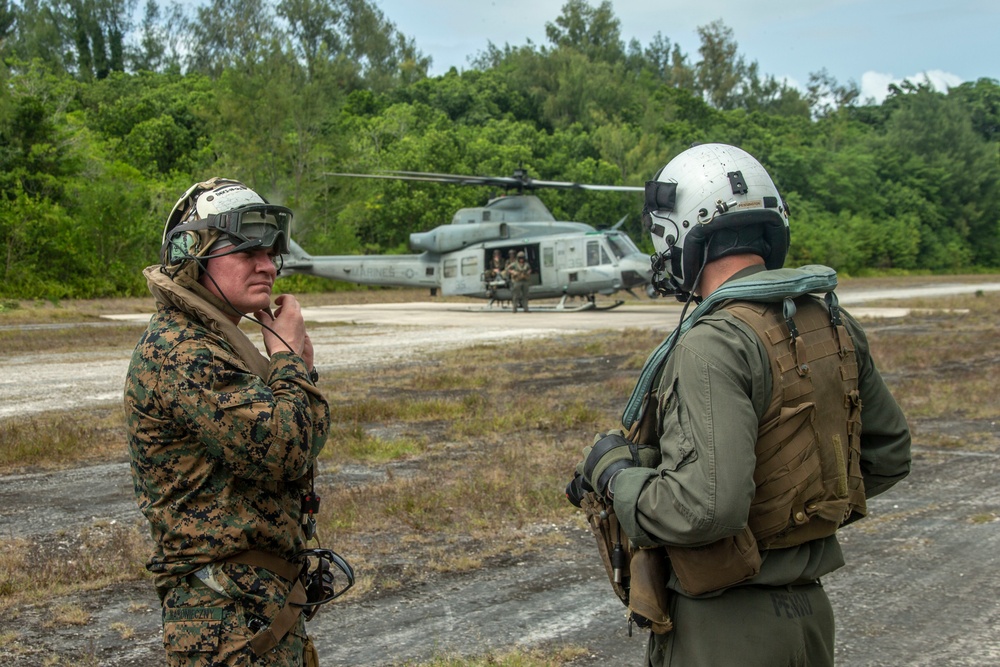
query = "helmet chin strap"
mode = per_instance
[
  {"x": 204, "y": 270},
  {"x": 666, "y": 284},
  {"x": 685, "y": 297}
]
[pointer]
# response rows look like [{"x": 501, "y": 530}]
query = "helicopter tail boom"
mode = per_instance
[{"x": 384, "y": 270}]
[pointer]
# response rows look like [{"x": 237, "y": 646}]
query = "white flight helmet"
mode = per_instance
[
  {"x": 221, "y": 212},
  {"x": 715, "y": 198}
]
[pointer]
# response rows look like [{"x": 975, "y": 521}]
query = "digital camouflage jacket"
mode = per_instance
[
  {"x": 518, "y": 272},
  {"x": 219, "y": 455}
]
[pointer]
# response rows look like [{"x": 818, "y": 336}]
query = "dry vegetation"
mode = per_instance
[
  {"x": 473, "y": 449},
  {"x": 454, "y": 462},
  {"x": 460, "y": 455},
  {"x": 942, "y": 368}
]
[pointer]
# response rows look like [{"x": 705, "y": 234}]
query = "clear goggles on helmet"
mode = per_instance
[{"x": 251, "y": 227}]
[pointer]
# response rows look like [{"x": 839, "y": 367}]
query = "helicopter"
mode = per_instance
[{"x": 569, "y": 260}]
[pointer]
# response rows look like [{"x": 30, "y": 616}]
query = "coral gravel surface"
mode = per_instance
[{"x": 919, "y": 588}]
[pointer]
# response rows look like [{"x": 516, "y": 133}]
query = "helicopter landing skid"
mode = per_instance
[
  {"x": 589, "y": 304},
  {"x": 562, "y": 307},
  {"x": 498, "y": 305}
]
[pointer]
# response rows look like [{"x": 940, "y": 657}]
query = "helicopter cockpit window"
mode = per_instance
[
  {"x": 621, "y": 246},
  {"x": 596, "y": 254}
]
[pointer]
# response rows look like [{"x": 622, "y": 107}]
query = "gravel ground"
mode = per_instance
[{"x": 920, "y": 587}]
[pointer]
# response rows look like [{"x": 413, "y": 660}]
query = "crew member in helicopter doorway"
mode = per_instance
[{"x": 519, "y": 274}]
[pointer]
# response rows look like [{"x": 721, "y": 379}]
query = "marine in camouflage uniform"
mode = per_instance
[
  {"x": 222, "y": 442},
  {"x": 519, "y": 274}
]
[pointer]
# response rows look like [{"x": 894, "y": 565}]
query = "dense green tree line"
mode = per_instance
[{"x": 108, "y": 111}]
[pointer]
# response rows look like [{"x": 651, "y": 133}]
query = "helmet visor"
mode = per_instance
[{"x": 253, "y": 227}]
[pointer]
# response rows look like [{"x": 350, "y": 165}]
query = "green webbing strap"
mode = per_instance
[
  {"x": 288, "y": 615},
  {"x": 766, "y": 286},
  {"x": 285, "y": 620}
]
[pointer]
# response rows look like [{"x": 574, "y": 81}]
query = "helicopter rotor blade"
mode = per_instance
[
  {"x": 521, "y": 181},
  {"x": 461, "y": 179},
  {"x": 389, "y": 176},
  {"x": 566, "y": 185}
]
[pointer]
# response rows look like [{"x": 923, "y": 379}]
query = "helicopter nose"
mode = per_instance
[{"x": 635, "y": 270}]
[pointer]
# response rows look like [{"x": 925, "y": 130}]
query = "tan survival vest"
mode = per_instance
[{"x": 808, "y": 473}]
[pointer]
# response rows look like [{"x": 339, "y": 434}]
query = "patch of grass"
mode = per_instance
[
  {"x": 453, "y": 560},
  {"x": 138, "y": 607},
  {"x": 72, "y": 660},
  {"x": 14, "y": 575},
  {"x": 78, "y": 310},
  {"x": 97, "y": 556},
  {"x": 533, "y": 658},
  {"x": 58, "y": 439},
  {"x": 943, "y": 440},
  {"x": 64, "y": 340},
  {"x": 465, "y": 507},
  {"x": 941, "y": 364},
  {"x": 124, "y": 630},
  {"x": 969, "y": 395},
  {"x": 65, "y": 614},
  {"x": 453, "y": 379},
  {"x": 359, "y": 446}
]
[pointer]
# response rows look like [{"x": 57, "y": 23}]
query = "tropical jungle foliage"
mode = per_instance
[{"x": 109, "y": 111}]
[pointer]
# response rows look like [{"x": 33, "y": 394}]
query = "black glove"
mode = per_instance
[
  {"x": 576, "y": 489},
  {"x": 609, "y": 454}
]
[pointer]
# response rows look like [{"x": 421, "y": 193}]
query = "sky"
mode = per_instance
[{"x": 870, "y": 42}]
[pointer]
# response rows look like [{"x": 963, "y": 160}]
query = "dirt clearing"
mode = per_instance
[{"x": 920, "y": 586}]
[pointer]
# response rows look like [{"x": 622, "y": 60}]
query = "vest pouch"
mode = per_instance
[
  {"x": 648, "y": 594},
  {"x": 612, "y": 544},
  {"x": 718, "y": 565},
  {"x": 310, "y": 656}
]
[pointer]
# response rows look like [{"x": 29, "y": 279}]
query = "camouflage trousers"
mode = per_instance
[
  {"x": 208, "y": 620},
  {"x": 519, "y": 295}
]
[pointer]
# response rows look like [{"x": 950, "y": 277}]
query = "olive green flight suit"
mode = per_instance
[{"x": 718, "y": 382}]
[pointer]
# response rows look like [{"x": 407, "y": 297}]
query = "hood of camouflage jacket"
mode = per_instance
[{"x": 187, "y": 294}]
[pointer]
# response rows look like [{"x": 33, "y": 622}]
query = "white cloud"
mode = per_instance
[{"x": 875, "y": 85}]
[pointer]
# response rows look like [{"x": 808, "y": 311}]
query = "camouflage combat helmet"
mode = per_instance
[{"x": 218, "y": 213}]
